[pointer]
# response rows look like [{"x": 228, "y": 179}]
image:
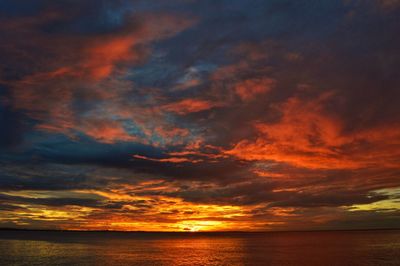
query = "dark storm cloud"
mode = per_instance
[
  {"x": 12, "y": 127},
  {"x": 25, "y": 176},
  {"x": 50, "y": 201}
]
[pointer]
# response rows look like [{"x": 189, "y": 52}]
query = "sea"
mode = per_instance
[{"x": 374, "y": 247}]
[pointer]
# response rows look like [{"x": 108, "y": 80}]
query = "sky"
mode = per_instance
[{"x": 199, "y": 115}]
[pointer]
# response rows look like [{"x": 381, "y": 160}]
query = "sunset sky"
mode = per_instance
[{"x": 199, "y": 115}]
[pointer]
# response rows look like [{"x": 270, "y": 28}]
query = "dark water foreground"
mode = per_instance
[{"x": 280, "y": 248}]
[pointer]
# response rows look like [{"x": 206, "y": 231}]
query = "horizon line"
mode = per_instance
[{"x": 196, "y": 232}]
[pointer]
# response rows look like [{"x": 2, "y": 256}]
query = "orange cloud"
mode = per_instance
[
  {"x": 251, "y": 88},
  {"x": 105, "y": 54},
  {"x": 187, "y": 106},
  {"x": 106, "y": 131},
  {"x": 168, "y": 160},
  {"x": 77, "y": 67},
  {"x": 168, "y": 133},
  {"x": 307, "y": 136}
]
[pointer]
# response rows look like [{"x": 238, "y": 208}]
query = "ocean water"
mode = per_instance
[{"x": 278, "y": 248}]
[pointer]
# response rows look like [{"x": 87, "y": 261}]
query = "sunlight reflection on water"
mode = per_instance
[{"x": 301, "y": 248}]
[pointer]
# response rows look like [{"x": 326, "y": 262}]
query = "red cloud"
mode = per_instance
[
  {"x": 190, "y": 106},
  {"x": 106, "y": 131},
  {"x": 309, "y": 137},
  {"x": 250, "y": 88},
  {"x": 168, "y": 160},
  {"x": 103, "y": 56},
  {"x": 71, "y": 67}
]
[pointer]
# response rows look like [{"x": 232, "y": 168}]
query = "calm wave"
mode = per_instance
[{"x": 280, "y": 248}]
